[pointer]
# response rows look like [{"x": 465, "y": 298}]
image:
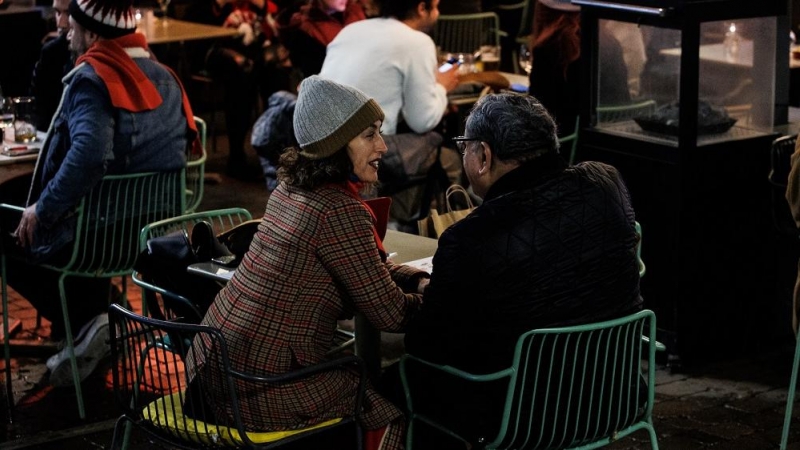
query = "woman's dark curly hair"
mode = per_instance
[{"x": 297, "y": 170}]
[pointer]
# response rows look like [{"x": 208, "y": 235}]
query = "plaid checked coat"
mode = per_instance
[{"x": 313, "y": 260}]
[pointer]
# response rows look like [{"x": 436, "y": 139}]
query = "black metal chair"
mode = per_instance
[{"x": 152, "y": 387}]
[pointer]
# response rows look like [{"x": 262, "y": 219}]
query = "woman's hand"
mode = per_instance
[{"x": 423, "y": 283}]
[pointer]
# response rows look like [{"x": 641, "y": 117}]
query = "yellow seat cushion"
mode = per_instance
[{"x": 167, "y": 413}]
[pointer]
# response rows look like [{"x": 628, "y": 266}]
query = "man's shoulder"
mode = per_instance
[
  {"x": 383, "y": 27},
  {"x": 57, "y": 46}
]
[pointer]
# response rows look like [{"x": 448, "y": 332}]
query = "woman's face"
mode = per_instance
[
  {"x": 335, "y": 5},
  {"x": 365, "y": 152}
]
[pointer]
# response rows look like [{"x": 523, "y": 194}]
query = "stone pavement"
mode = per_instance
[{"x": 731, "y": 405}]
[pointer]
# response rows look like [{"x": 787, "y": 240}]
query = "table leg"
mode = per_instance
[{"x": 368, "y": 346}]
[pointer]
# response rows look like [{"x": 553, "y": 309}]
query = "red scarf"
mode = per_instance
[
  {"x": 128, "y": 87},
  {"x": 353, "y": 188}
]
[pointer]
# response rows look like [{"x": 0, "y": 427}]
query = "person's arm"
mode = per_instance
[
  {"x": 447, "y": 312},
  {"x": 91, "y": 129},
  {"x": 424, "y": 99},
  {"x": 347, "y": 249}
]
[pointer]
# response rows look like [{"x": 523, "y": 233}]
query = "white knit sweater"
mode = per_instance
[{"x": 394, "y": 64}]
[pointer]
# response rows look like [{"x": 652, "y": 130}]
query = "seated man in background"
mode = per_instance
[
  {"x": 394, "y": 61},
  {"x": 121, "y": 113},
  {"x": 55, "y": 61},
  {"x": 551, "y": 245}
]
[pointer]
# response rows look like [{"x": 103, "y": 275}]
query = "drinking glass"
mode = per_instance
[
  {"x": 6, "y": 117},
  {"x": 24, "y": 119},
  {"x": 164, "y": 5},
  {"x": 525, "y": 58}
]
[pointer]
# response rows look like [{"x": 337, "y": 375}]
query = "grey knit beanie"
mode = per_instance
[{"x": 328, "y": 115}]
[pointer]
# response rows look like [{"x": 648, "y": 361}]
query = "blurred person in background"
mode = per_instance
[
  {"x": 247, "y": 66},
  {"x": 307, "y": 33},
  {"x": 54, "y": 62},
  {"x": 556, "y": 51}
]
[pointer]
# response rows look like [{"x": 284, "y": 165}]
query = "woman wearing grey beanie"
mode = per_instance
[{"x": 317, "y": 257}]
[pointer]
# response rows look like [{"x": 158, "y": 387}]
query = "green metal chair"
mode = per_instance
[
  {"x": 572, "y": 141},
  {"x": 642, "y": 268},
  {"x": 621, "y": 113},
  {"x": 108, "y": 221},
  {"x": 574, "y": 387},
  {"x": 195, "y": 170},
  {"x": 465, "y": 33},
  {"x": 220, "y": 219}
]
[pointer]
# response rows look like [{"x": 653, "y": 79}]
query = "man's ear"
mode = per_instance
[
  {"x": 421, "y": 9},
  {"x": 92, "y": 37},
  {"x": 486, "y": 158}
]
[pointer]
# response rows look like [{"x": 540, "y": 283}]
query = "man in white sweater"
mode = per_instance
[{"x": 394, "y": 61}]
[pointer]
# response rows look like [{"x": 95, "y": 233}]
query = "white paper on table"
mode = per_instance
[{"x": 425, "y": 264}]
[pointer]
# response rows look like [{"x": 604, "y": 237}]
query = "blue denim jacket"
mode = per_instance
[{"x": 89, "y": 138}]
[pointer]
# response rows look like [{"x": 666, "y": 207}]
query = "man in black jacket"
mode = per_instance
[{"x": 551, "y": 245}]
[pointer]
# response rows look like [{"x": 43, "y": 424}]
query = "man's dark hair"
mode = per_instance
[
  {"x": 402, "y": 9},
  {"x": 516, "y": 127}
]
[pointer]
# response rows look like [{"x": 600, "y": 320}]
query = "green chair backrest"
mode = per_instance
[
  {"x": 639, "y": 261},
  {"x": 621, "y": 113},
  {"x": 195, "y": 170},
  {"x": 221, "y": 220},
  {"x": 575, "y": 387},
  {"x": 571, "y": 141},
  {"x": 465, "y": 33},
  {"x": 110, "y": 217}
]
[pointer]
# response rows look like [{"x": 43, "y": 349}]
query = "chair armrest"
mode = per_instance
[
  {"x": 456, "y": 372},
  {"x": 12, "y": 207},
  {"x": 302, "y": 372},
  {"x": 317, "y": 368},
  {"x": 659, "y": 346}
]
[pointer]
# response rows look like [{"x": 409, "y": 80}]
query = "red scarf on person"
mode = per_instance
[
  {"x": 353, "y": 188},
  {"x": 128, "y": 87}
]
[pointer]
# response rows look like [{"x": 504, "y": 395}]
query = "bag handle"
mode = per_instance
[{"x": 457, "y": 188}]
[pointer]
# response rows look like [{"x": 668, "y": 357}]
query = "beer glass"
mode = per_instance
[
  {"x": 6, "y": 118},
  {"x": 24, "y": 119}
]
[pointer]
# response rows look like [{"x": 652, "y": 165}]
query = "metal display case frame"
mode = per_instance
[{"x": 703, "y": 202}]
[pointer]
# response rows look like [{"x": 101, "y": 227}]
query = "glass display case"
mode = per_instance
[
  {"x": 681, "y": 97},
  {"x": 735, "y": 89}
]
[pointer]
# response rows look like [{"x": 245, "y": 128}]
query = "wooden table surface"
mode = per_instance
[{"x": 161, "y": 31}]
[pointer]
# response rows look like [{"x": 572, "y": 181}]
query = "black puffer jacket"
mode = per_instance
[{"x": 550, "y": 246}]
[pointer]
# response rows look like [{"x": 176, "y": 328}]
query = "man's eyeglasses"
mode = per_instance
[{"x": 461, "y": 143}]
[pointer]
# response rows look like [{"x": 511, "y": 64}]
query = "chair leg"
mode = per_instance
[
  {"x": 790, "y": 397},
  {"x": 76, "y": 378},
  {"x": 410, "y": 433},
  {"x": 653, "y": 437},
  {"x": 6, "y": 343}
]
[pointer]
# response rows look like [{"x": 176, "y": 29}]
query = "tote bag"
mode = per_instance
[{"x": 435, "y": 224}]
